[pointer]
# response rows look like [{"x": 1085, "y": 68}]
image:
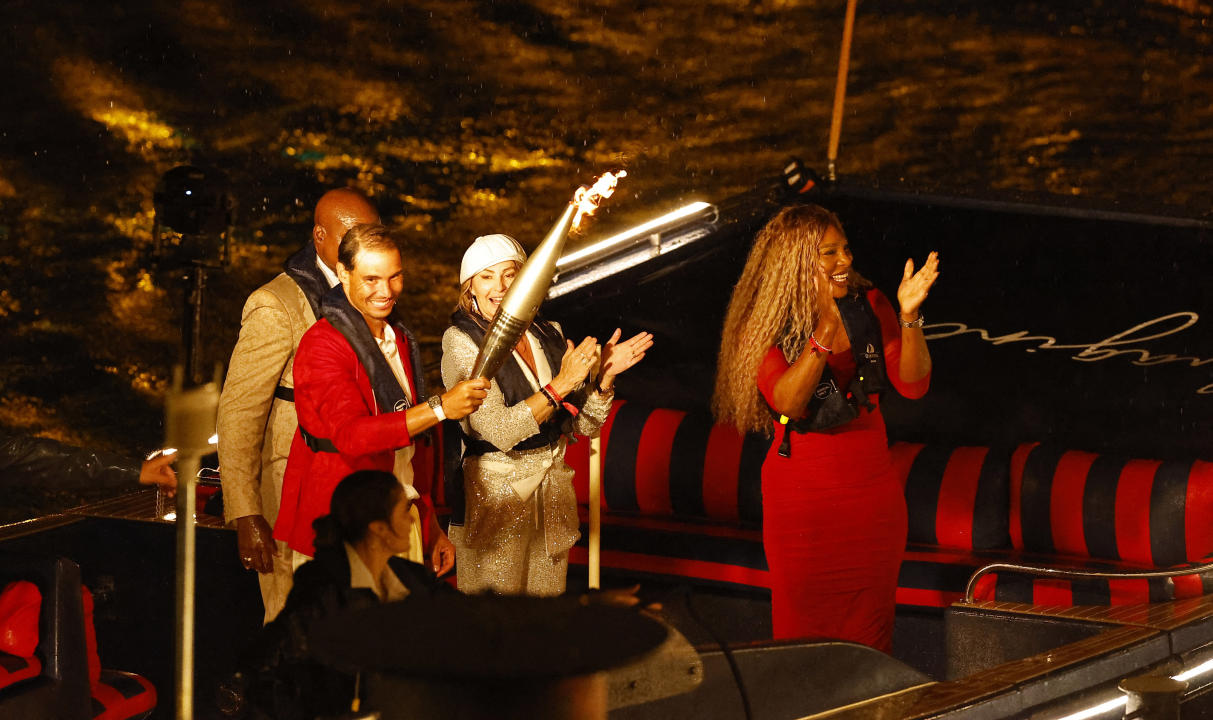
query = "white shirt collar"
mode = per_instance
[
  {"x": 360, "y": 577},
  {"x": 329, "y": 275}
]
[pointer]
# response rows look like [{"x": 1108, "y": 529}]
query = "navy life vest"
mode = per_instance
[
  {"x": 831, "y": 405},
  {"x": 516, "y": 388}
]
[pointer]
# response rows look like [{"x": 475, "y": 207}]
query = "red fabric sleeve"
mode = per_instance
[
  {"x": 772, "y": 368},
  {"x": 890, "y": 332},
  {"x": 331, "y": 402}
]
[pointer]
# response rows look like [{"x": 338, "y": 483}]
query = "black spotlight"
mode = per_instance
[
  {"x": 196, "y": 204},
  {"x": 194, "y": 200}
]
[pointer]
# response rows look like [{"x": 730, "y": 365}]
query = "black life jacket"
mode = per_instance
[
  {"x": 301, "y": 267},
  {"x": 832, "y": 406},
  {"x": 516, "y": 388}
]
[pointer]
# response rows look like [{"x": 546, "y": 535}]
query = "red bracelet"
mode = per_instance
[
  {"x": 818, "y": 347},
  {"x": 560, "y": 400}
]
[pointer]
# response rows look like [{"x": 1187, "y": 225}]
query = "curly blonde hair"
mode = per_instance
[{"x": 773, "y": 304}]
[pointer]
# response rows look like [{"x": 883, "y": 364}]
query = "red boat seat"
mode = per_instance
[{"x": 63, "y": 678}]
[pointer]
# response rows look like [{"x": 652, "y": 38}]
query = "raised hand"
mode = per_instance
[
  {"x": 915, "y": 286},
  {"x": 619, "y": 356},
  {"x": 576, "y": 365},
  {"x": 828, "y": 317}
]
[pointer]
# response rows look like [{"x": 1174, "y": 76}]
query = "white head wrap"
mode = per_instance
[{"x": 487, "y": 251}]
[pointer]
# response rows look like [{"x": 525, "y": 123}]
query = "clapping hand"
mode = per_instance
[
  {"x": 915, "y": 286},
  {"x": 619, "y": 356}
]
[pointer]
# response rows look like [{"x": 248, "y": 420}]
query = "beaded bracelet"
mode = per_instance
[{"x": 818, "y": 347}]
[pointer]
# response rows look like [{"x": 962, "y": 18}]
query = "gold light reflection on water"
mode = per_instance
[
  {"x": 135, "y": 227},
  {"x": 378, "y": 103},
  {"x": 100, "y": 95},
  {"x": 327, "y": 157},
  {"x": 145, "y": 382},
  {"x": 27, "y": 414},
  {"x": 8, "y": 304},
  {"x": 136, "y": 303},
  {"x": 140, "y": 128}
]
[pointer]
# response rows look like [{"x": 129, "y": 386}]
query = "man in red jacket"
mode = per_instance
[{"x": 359, "y": 395}]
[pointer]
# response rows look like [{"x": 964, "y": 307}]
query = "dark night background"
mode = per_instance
[{"x": 466, "y": 117}]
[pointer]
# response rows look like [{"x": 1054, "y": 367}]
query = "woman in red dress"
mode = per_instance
[{"x": 808, "y": 346}]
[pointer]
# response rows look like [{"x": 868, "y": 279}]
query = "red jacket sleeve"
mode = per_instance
[
  {"x": 329, "y": 397},
  {"x": 890, "y": 331}
]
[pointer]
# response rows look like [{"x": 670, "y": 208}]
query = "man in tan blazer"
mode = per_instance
[{"x": 256, "y": 408}]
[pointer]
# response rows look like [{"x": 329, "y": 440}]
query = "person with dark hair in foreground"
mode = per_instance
[{"x": 357, "y": 564}]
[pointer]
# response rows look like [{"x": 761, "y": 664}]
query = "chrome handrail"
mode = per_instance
[{"x": 1046, "y": 571}]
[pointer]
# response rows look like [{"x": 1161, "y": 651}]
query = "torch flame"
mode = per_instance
[{"x": 587, "y": 198}]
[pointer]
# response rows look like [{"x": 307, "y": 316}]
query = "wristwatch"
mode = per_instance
[{"x": 435, "y": 403}]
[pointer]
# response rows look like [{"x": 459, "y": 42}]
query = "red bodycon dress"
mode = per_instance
[{"x": 834, "y": 514}]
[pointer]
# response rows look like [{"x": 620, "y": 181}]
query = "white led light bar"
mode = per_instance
[{"x": 628, "y": 235}]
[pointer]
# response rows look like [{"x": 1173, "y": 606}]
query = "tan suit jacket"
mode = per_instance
[{"x": 256, "y": 428}]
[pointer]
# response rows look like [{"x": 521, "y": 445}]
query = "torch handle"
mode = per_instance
[{"x": 498, "y": 343}]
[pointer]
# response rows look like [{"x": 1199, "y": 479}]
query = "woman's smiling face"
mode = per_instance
[
  {"x": 489, "y": 286},
  {"x": 834, "y": 261}
]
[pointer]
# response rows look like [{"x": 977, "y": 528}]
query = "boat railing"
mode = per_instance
[{"x": 1073, "y": 574}]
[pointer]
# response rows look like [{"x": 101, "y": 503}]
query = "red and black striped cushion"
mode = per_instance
[
  {"x": 121, "y": 695},
  {"x": 1150, "y": 512},
  {"x": 14, "y": 669},
  {"x": 956, "y": 496},
  {"x": 668, "y": 462}
]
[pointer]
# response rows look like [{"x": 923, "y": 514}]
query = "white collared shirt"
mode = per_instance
[
  {"x": 402, "y": 467},
  {"x": 391, "y": 353},
  {"x": 329, "y": 275},
  {"x": 388, "y": 589}
]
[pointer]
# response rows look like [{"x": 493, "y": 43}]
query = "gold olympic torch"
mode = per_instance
[{"x": 530, "y": 287}]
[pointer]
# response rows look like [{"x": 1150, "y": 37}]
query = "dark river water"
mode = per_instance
[{"x": 462, "y": 117}]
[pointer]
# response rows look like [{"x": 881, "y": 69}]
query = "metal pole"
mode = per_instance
[
  {"x": 187, "y": 471},
  {"x": 197, "y": 299},
  {"x": 594, "y": 564},
  {"x": 189, "y": 424},
  {"x": 840, "y": 89}
]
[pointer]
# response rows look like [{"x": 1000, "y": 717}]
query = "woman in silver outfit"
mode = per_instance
[{"x": 520, "y": 509}]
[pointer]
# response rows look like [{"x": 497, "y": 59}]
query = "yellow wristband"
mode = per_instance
[{"x": 783, "y": 419}]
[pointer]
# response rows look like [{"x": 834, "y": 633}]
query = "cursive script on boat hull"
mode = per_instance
[{"x": 1125, "y": 344}]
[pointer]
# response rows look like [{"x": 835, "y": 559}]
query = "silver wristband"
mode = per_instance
[{"x": 913, "y": 323}]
